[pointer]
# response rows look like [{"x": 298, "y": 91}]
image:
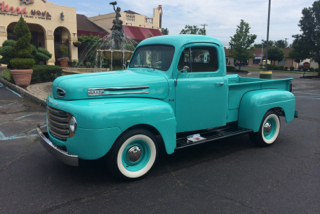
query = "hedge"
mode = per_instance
[
  {"x": 45, "y": 73},
  {"x": 7, "y": 75},
  {"x": 231, "y": 68}
]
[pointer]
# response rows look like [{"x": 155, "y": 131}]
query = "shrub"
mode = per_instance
[
  {"x": 291, "y": 68},
  {"x": 281, "y": 68},
  {"x": 74, "y": 63},
  {"x": 7, "y": 75},
  {"x": 6, "y": 51},
  {"x": 22, "y": 63},
  {"x": 305, "y": 69},
  {"x": 285, "y": 68},
  {"x": 231, "y": 68},
  {"x": 22, "y": 48},
  {"x": 275, "y": 68},
  {"x": 105, "y": 65},
  {"x": 88, "y": 64},
  {"x": 45, "y": 73},
  {"x": 316, "y": 70},
  {"x": 270, "y": 67},
  {"x": 311, "y": 69},
  {"x": 64, "y": 50},
  {"x": 129, "y": 47}
]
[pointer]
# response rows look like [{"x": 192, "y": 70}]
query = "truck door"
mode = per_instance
[{"x": 202, "y": 92}]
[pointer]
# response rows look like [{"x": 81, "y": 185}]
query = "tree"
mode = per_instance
[
  {"x": 281, "y": 43},
  {"x": 307, "y": 44},
  {"x": 188, "y": 29},
  {"x": 241, "y": 43},
  {"x": 165, "y": 31},
  {"x": 275, "y": 54}
]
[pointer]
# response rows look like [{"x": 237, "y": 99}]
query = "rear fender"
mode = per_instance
[{"x": 255, "y": 104}]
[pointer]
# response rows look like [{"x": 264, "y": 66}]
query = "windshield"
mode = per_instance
[{"x": 153, "y": 56}]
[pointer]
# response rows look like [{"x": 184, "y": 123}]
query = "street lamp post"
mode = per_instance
[{"x": 266, "y": 67}]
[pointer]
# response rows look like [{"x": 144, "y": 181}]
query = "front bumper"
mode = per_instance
[{"x": 61, "y": 155}]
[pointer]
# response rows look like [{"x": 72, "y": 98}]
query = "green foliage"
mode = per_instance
[
  {"x": 275, "y": 54},
  {"x": 281, "y": 43},
  {"x": 88, "y": 64},
  {"x": 311, "y": 69},
  {"x": 241, "y": 43},
  {"x": 45, "y": 73},
  {"x": 281, "y": 68},
  {"x": 291, "y": 68},
  {"x": 129, "y": 47},
  {"x": 285, "y": 68},
  {"x": 270, "y": 67},
  {"x": 89, "y": 45},
  {"x": 105, "y": 65},
  {"x": 275, "y": 68},
  {"x": 165, "y": 31},
  {"x": 231, "y": 68},
  {"x": 64, "y": 50},
  {"x": 22, "y": 63},
  {"x": 294, "y": 54},
  {"x": 306, "y": 44},
  {"x": 22, "y": 48},
  {"x": 188, "y": 29},
  {"x": 74, "y": 63},
  {"x": 316, "y": 70},
  {"x": 305, "y": 69},
  {"x": 7, "y": 75}
]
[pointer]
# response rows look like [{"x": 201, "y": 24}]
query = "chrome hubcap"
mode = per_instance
[
  {"x": 267, "y": 127},
  {"x": 134, "y": 154}
]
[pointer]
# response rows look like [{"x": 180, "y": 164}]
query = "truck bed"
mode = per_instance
[{"x": 238, "y": 86}]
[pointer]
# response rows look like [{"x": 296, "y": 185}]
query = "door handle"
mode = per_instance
[{"x": 219, "y": 83}]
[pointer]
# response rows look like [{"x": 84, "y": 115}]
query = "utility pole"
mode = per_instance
[
  {"x": 204, "y": 26},
  {"x": 268, "y": 36}
]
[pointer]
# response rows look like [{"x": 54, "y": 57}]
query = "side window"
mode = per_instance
[{"x": 203, "y": 59}]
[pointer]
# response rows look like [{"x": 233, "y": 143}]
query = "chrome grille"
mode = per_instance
[{"x": 58, "y": 123}]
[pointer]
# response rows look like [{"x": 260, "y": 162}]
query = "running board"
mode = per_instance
[{"x": 211, "y": 136}]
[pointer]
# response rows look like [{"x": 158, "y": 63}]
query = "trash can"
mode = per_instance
[{"x": 265, "y": 74}]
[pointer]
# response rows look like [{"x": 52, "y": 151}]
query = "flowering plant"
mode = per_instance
[{"x": 63, "y": 58}]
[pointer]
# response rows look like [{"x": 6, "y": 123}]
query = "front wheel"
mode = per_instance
[
  {"x": 133, "y": 154},
  {"x": 269, "y": 130}
]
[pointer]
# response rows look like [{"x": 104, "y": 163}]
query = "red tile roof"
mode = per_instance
[{"x": 140, "y": 33}]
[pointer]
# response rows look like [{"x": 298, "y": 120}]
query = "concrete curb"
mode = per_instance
[{"x": 23, "y": 92}]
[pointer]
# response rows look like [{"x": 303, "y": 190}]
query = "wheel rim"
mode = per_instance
[
  {"x": 269, "y": 128},
  {"x": 136, "y": 155}
]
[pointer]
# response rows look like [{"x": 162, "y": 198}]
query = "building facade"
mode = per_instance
[
  {"x": 51, "y": 25},
  {"x": 135, "y": 25}
]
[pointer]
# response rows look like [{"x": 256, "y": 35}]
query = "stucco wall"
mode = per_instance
[{"x": 49, "y": 24}]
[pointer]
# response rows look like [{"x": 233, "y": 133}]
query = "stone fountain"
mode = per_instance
[{"x": 116, "y": 50}]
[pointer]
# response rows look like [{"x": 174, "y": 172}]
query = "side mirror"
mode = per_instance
[{"x": 185, "y": 69}]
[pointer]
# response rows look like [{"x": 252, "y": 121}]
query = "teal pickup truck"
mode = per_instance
[{"x": 175, "y": 93}]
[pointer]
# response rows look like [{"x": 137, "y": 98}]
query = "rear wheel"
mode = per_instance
[
  {"x": 133, "y": 154},
  {"x": 269, "y": 130}
]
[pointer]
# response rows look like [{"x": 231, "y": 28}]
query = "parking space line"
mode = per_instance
[
  {"x": 13, "y": 92},
  {"x": 8, "y": 104}
]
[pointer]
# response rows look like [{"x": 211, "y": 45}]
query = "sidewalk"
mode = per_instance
[{"x": 40, "y": 90}]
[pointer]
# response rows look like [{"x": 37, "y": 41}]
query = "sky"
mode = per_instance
[{"x": 221, "y": 16}]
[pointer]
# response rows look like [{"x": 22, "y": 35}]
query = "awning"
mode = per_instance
[{"x": 140, "y": 33}]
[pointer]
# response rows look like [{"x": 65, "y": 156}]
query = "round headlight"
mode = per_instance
[{"x": 73, "y": 124}]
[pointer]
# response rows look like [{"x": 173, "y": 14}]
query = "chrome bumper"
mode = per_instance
[{"x": 61, "y": 155}]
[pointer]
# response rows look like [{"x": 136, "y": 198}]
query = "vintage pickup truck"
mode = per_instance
[{"x": 175, "y": 93}]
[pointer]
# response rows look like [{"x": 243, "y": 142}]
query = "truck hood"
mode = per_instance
[{"x": 127, "y": 83}]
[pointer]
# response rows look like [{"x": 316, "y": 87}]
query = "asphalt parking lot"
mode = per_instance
[{"x": 225, "y": 176}]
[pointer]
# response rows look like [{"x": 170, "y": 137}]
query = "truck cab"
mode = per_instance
[{"x": 175, "y": 93}]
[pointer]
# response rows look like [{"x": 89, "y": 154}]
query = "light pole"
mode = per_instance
[
  {"x": 261, "y": 54},
  {"x": 266, "y": 67}
]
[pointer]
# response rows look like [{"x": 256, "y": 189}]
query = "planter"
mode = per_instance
[
  {"x": 265, "y": 74},
  {"x": 76, "y": 44},
  {"x": 22, "y": 77},
  {"x": 63, "y": 63}
]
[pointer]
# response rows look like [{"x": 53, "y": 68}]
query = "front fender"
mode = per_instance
[
  {"x": 255, "y": 104},
  {"x": 122, "y": 113}
]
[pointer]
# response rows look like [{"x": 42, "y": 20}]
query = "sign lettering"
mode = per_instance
[
  {"x": 26, "y": 2},
  {"x": 6, "y": 8}
]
